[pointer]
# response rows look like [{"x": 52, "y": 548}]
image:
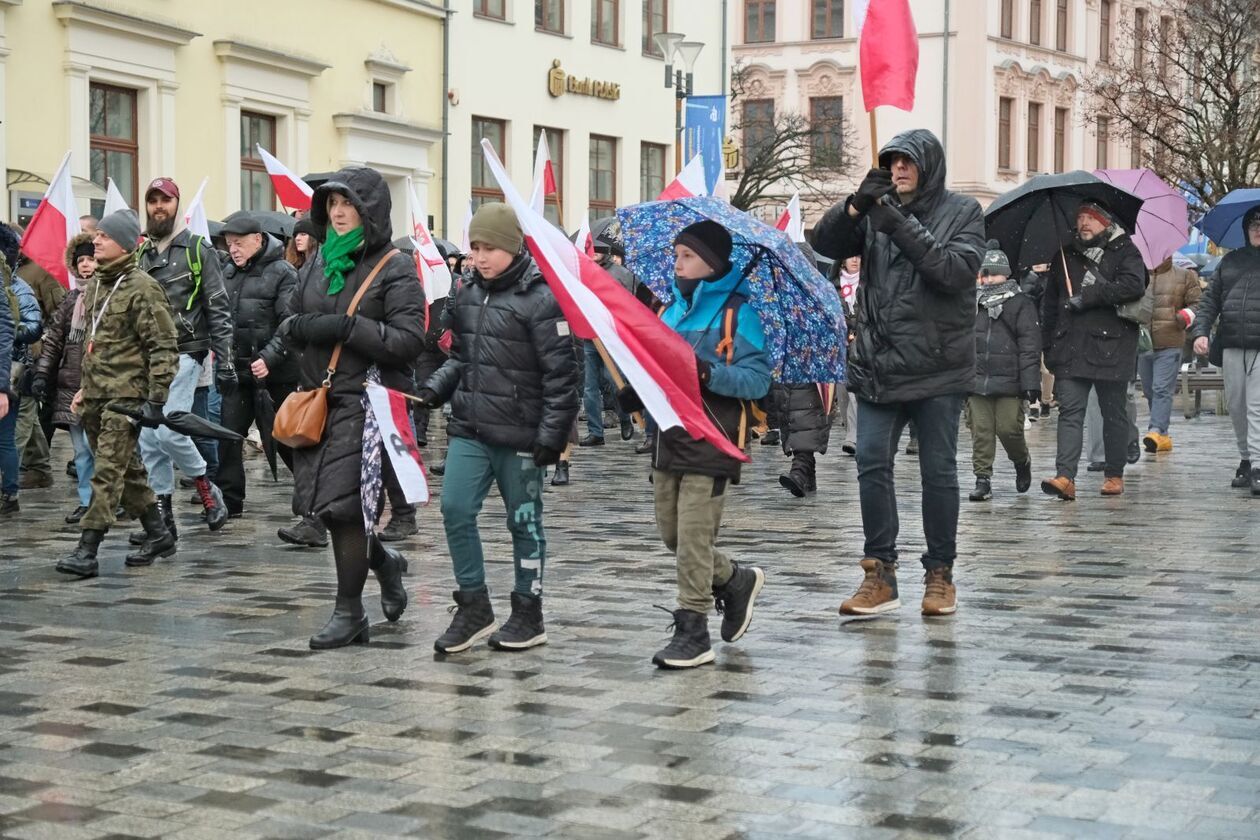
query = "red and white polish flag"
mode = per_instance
[
  {"x": 690, "y": 182},
  {"x": 56, "y": 222},
  {"x": 544, "y": 176},
  {"x": 656, "y": 361},
  {"x": 434, "y": 273},
  {"x": 394, "y": 419},
  {"x": 791, "y": 222},
  {"x": 888, "y": 50},
  {"x": 292, "y": 191},
  {"x": 584, "y": 240}
]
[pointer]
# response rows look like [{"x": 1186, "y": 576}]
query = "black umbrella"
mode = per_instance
[
  {"x": 183, "y": 422},
  {"x": 279, "y": 225},
  {"x": 265, "y": 418},
  {"x": 1034, "y": 220}
]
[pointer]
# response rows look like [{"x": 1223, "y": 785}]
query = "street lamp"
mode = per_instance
[{"x": 673, "y": 44}]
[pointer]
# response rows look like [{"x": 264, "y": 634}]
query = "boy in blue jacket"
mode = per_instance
[{"x": 710, "y": 310}]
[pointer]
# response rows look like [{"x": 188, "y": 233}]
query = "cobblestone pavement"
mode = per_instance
[{"x": 1099, "y": 680}]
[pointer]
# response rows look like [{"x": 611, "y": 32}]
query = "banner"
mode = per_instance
[
  {"x": 704, "y": 126},
  {"x": 394, "y": 418}
]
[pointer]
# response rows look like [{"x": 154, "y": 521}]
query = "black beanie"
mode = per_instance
[
  {"x": 83, "y": 249},
  {"x": 306, "y": 225},
  {"x": 711, "y": 242}
]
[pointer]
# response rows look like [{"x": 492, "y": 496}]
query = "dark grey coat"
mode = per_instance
[
  {"x": 259, "y": 296},
  {"x": 1008, "y": 349},
  {"x": 806, "y": 423},
  {"x": 1233, "y": 298},
  {"x": 202, "y": 319}
]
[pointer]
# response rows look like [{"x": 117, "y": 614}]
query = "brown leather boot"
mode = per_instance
[
  {"x": 878, "y": 592},
  {"x": 939, "y": 595},
  {"x": 1113, "y": 486},
  {"x": 1061, "y": 486}
]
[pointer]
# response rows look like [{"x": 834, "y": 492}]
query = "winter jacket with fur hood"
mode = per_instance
[{"x": 62, "y": 356}]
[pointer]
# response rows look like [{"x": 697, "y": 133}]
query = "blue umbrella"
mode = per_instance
[
  {"x": 800, "y": 311},
  {"x": 1223, "y": 223}
]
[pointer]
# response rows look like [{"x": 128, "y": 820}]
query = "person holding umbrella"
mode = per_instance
[
  {"x": 913, "y": 358},
  {"x": 1088, "y": 345}
]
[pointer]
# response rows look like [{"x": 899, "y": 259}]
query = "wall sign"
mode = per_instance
[{"x": 559, "y": 83}]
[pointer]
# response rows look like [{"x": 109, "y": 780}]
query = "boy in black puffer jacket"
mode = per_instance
[{"x": 1008, "y": 371}]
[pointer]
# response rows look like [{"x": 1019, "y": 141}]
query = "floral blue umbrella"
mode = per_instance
[{"x": 800, "y": 311}]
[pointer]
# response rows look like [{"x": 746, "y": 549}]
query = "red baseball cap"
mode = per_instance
[{"x": 165, "y": 186}]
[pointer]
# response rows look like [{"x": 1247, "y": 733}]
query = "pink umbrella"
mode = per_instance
[{"x": 1163, "y": 225}]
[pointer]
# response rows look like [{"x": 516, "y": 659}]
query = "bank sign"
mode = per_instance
[{"x": 559, "y": 83}]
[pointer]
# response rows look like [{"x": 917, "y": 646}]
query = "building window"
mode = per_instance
[
  {"x": 256, "y": 190},
  {"x": 114, "y": 149},
  {"x": 826, "y": 118},
  {"x": 651, "y": 171},
  {"x": 1005, "y": 106},
  {"x": 1104, "y": 31},
  {"x": 1103, "y": 132},
  {"x": 1165, "y": 44},
  {"x": 1034, "y": 22},
  {"x": 655, "y": 21},
  {"x": 603, "y": 197},
  {"x": 758, "y": 21},
  {"x": 1139, "y": 39},
  {"x": 484, "y": 188},
  {"x": 1061, "y": 26},
  {"x": 1060, "y": 139},
  {"x": 549, "y": 16},
  {"x": 1008, "y": 19},
  {"x": 828, "y": 19},
  {"x": 496, "y": 9},
  {"x": 1135, "y": 151},
  {"x": 605, "y": 22},
  {"x": 757, "y": 127},
  {"x": 555, "y": 148},
  {"x": 1034, "y": 137},
  {"x": 380, "y": 97}
]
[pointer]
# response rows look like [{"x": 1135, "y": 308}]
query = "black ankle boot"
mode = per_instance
[
  {"x": 474, "y": 620},
  {"x": 82, "y": 561},
  {"x": 690, "y": 646},
  {"x": 388, "y": 566},
  {"x": 524, "y": 627},
  {"x": 800, "y": 479},
  {"x": 402, "y": 524},
  {"x": 348, "y": 626},
  {"x": 167, "y": 507},
  {"x": 158, "y": 541},
  {"x": 561, "y": 476}
]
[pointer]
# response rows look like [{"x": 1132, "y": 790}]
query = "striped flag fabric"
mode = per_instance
[
  {"x": 393, "y": 417},
  {"x": 544, "y": 176},
  {"x": 292, "y": 191},
  {"x": 434, "y": 273},
  {"x": 690, "y": 181},
  {"x": 791, "y": 222},
  {"x": 55, "y": 222}
]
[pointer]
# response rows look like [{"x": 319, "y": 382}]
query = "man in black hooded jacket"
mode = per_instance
[{"x": 914, "y": 355}]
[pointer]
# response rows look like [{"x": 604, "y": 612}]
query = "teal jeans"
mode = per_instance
[{"x": 470, "y": 468}]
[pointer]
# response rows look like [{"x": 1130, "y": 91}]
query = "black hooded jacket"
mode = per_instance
[
  {"x": 388, "y": 332},
  {"x": 512, "y": 377},
  {"x": 1233, "y": 298},
  {"x": 259, "y": 297},
  {"x": 916, "y": 313}
]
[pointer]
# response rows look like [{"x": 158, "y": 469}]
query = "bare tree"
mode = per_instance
[
  {"x": 784, "y": 152},
  {"x": 1184, "y": 89}
]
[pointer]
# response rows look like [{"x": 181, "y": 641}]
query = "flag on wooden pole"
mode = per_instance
[
  {"x": 292, "y": 191},
  {"x": 56, "y": 222}
]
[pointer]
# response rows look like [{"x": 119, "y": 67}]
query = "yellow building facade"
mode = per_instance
[{"x": 182, "y": 88}]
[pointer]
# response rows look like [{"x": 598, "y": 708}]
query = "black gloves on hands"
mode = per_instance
[
  {"x": 428, "y": 398},
  {"x": 39, "y": 386},
  {"x": 704, "y": 369},
  {"x": 885, "y": 217},
  {"x": 545, "y": 456},
  {"x": 152, "y": 415},
  {"x": 629, "y": 400},
  {"x": 225, "y": 379},
  {"x": 1075, "y": 303},
  {"x": 877, "y": 183},
  {"x": 324, "y": 330},
  {"x": 1032, "y": 396}
]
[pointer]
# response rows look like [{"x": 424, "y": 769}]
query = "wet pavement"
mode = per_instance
[{"x": 1101, "y": 678}]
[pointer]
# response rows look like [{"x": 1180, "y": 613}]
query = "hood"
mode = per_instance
[
  {"x": 1246, "y": 223},
  {"x": 10, "y": 242},
  {"x": 272, "y": 250},
  {"x": 70, "y": 247},
  {"x": 922, "y": 147},
  {"x": 369, "y": 194}
]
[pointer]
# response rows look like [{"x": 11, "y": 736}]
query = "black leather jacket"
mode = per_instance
[{"x": 200, "y": 309}]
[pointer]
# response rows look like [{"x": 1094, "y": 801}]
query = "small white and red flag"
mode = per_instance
[
  {"x": 393, "y": 416},
  {"x": 584, "y": 240},
  {"x": 544, "y": 176},
  {"x": 195, "y": 217},
  {"x": 292, "y": 191},
  {"x": 55, "y": 222},
  {"x": 690, "y": 182},
  {"x": 791, "y": 222},
  {"x": 434, "y": 273}
]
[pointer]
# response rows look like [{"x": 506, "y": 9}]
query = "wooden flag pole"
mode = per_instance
[
  {"x": 619, "y": 382},
  {"x": 874, "y": 141}
]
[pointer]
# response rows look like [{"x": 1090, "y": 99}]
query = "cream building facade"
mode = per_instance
[
  {"x": 1006, "y": 100},
  {"x": 142, "y": 88}
]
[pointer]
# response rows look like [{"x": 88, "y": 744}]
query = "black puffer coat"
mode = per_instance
[
  {"x": 1094, "y": 343},
  {"x": 512, "y": 377},
  {"x": 806, "y": 421},
  {"x": 1008, "y": 349},
  {"x": 259, "y": 296},
  {"x": 388, "y": 332},
  {"x": 1233, "y": 297},
  {"x": 915, "y": 316}
]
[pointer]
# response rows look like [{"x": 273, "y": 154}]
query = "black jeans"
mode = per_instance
[
  {"x": 879, "y": 428},
  {"x": 238, "y": 415},
  {"x": 1073, "y": 401}
]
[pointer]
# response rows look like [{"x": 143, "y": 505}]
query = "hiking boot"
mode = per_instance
[
  {"x": 310, "y": 532},
  {"x": 389, "y": 566},
  {"x": 771, "y": 438},
  {"x": 9, "y": 504},
  {"x": 591, "y": 440},
  {"x": 158, "y": 541},
  {"x": 212, "y": 500},
  {"x": 524, "y": 627},
  {"x": 1134, "y": 453},
  {"x": 75, "y": 516},
  {"x": 402, "y": 524},
  {"x": 878, "y": 592},
  {"x": 939, "y": 595},
  {"x": 1023, "y": 477},
  {"x": 1242, "y": 475},
  {"x": 1157, "y": 442},
  {"x": 166, "y": 506},
  {"x": 983, "y": 491},
  {"x": 474, "y": 620},
  {"x": 82, "y": 561},
  {"x": 627, "y": 429},
  {"x": 1061, "y": 486},
  {"x": 348, "y": 626},
  {"x": 34, "y": 481},
  {"x": 1096, "y": 466},
  {"x": 645, "y": 448},
  {"x": 735, "y": 598},
  {"x": 71, "y": 470},
  {"x": 1112, "y": 486},
  {"x": 690, "y": 646},
  {"x": 561, "y": 476},
  {"x": 800, "y": 479}
]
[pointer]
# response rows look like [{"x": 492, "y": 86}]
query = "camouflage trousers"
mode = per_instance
[{"x": 119, "y": 475}]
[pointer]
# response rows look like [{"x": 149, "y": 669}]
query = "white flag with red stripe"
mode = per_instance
[
  {"x": 434, "y": 273},
  {"x": 464, "y": 245},
  {"x": 292, "y": 191},
  {"x": 56, "y": 222},
  {"x": 584, "y": 240},
  {"x": 791, "y": 222},
  {"x": 544, "y": 176},
  {"x": 394, "y": 419},
  {"x": 656, "y": 361},
  {"x": 690, "y": 182},
  {"x": 195, "y": 217},
  {"x": 114, "y": 200}
]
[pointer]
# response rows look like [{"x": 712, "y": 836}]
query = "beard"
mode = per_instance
[{"x": 159, "y": 228}]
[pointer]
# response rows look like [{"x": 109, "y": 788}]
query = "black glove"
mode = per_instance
[
  {"x": 704, "y": 369},
  {"x": 1075, "y": 303},
  {"x": 39, "y": 386},
  {"x": 628, "y": 399},
  {"x": 225, "y": 379},
  {"x": 885, "y": 217},
  {"x": 545, "y": 456},
  {"x": 151, "y": 415},
  {"x": 428, "y": 398},
  {"x": 1033, "y": 396},
  {"x": 319, "y": 329},
  {"x": 877, "y": 183}
]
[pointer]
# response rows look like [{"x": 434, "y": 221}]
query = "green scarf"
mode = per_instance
[{"x": 336, "y": 251}]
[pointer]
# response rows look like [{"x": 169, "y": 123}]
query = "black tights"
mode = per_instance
[{"x": 350, "y": 551}]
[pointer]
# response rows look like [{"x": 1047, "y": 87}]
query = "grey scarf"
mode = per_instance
[
  {"x": 992, "y": 297},
  {"x": 1094, "y": 250}
]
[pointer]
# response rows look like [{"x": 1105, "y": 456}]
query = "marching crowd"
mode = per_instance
[{"x": 168, "y": 348}]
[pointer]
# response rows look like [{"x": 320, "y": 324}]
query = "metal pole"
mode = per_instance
[
  {"x": 446, "y": 118},
  {"x": 945, "y": 87},
  {"x": 678, "y": 126},
  {"x": 722, "y": 57}
]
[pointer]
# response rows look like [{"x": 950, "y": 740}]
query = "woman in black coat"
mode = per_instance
[{"x": 386, "y": 332}]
